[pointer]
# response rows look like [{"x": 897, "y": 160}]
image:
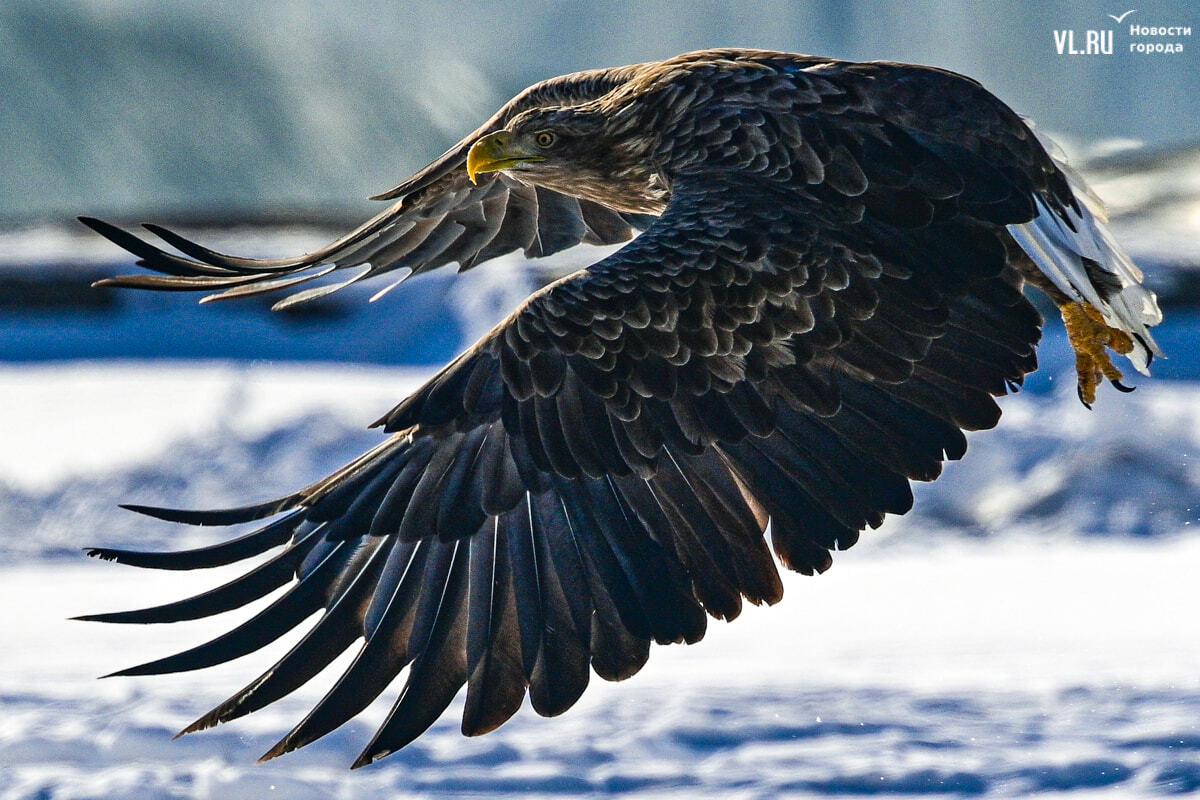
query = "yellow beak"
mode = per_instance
[{"x": 492, "y": 153}]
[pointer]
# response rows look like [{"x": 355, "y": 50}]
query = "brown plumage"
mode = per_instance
[{"x": 827, "y": 292}]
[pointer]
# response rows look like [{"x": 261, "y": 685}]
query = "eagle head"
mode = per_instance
[{"x": 584, "y": 152}]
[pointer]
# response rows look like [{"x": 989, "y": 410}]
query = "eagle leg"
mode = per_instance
[{"x": 1090, "y": 336}]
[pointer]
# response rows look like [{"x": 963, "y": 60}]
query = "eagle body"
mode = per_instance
[{"x": 825, "y": 293}]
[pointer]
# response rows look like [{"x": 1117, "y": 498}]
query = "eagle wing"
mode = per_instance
[
  {"x": 597, "y": 472},
  {"x": 440, "y": 217}
]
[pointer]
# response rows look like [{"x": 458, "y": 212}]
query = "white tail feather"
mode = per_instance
[{"x": 1058, "y": 251}]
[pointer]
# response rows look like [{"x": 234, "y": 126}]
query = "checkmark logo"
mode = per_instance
[{"x": 1121, "y": 18}]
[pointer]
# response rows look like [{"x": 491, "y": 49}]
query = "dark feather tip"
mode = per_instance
[
  {"x": 202, "y": 724},
  {"x": 118, "y": 674},
  {"x": 150, "y": 511},
  {"x": 220, "y": 516},
  {"x": 275, "y": 752},
  {"x": 108, "y": 616},
  {"x": 102, "y": 553}
]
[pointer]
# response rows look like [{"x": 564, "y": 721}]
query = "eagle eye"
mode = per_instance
[{"x": 545, "y": 139}]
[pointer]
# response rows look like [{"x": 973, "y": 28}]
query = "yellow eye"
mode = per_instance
[{"x": 544, "y": 138}]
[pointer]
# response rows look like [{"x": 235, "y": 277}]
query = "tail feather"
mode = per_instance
[{"x": 1077, "y": 252}]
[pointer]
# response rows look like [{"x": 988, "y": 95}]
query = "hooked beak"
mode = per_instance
[{"x": 493, "y": 152}]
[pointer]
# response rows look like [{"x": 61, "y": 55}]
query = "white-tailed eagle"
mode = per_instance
[{"x": 826, "y": 292}]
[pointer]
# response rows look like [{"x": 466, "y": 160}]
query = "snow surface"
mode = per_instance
[
  {"x": 1026, "y": 629},
  {"x": 992, "y": 670}
]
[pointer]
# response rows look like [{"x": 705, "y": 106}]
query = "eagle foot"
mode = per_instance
[{"x": 1090, "y": 338}]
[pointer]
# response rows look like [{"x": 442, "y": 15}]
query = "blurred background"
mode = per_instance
[
  {"x": 1026, "y": 629},
  {"x": 126, "y": 108}
]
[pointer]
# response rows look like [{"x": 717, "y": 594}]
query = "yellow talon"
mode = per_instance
[
  {"x": 1118, "y": 340},
  {"x": 1090, "y": 335}
]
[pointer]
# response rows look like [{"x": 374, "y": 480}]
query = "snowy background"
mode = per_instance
[{"x": 1029, "y": 628}]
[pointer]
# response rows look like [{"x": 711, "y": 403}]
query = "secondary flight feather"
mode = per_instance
[{"x": 826, "y": 292}]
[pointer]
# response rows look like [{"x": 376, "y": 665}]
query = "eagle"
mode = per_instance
[{"x": 821, "y": 290}]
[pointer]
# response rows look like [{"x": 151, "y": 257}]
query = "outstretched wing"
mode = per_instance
[
  {"x": 440, "y": 217},
  {"x": 599, "y": 470}
]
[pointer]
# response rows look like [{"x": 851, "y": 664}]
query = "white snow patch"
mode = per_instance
[{"x": 83, "y": 418}]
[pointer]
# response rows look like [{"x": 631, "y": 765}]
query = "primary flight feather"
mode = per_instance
[{"x": 825, "y": 295}]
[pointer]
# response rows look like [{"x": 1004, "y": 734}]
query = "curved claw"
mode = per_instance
[
  {"x": 1120, "y": 387},
  {"x": 1086, "y": 404}
]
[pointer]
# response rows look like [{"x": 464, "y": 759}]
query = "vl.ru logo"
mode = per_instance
[{"x": 1092, "y": 43}]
